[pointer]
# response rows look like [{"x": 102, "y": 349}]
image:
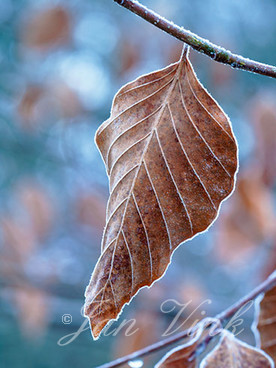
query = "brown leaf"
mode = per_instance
[
  {"x": 64, "y": 99},
  {"x": 17, "y": 238},
  {"x": 183, "y": 356},
  {"x": 40, "y": 105},
  {"x": 222, "y": 75},
  {"x": 267, "y": 323},
  {"x": 263, "y": 115},
  {"x": 32, "y": 311},
  {"x": 171, "y": 156},
  {"x": 172, "y": 53},
  {"x": 233, "y": 353},
  {"x": 28, "y": 107},
  {"x": 257, "y": 201},
  {"x": 90, "y": 209},
  {"x": 271, "y": 261},
  {"x": 194, "y": 292},
  {"x": 130, "y": 55},
  {"x": 39, "y": 208},
  {"x": 248, "y": 221},
  {"x": 47, "y": 27}
]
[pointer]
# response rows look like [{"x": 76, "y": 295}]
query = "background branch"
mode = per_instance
[
  {"x": 268, "y": 284},
  {"x": 200, "y": 44}
]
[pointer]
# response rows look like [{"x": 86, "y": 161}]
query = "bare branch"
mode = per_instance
[{"x": 200, "y": 44}]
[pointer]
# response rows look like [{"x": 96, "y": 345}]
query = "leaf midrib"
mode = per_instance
[{"x": 158, "y": 119}]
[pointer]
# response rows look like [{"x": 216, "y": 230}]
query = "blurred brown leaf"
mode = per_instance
[
  {"x": 29, "y": 225},
  {"x": 47, "y": 27},
  {"x": 191, "y": 292},
  {"x": 43, "y": 104},
  {"x": 271, "y": 261},
  {"x": 232, "y": 245},
  {"x": 39, "y": 208},
  {"x": 18, "y": 239},
  {"x": 65, "y": 100},
  {"x": 172, "y": 53},
  {"x": 233, "y": 353},
  {"x": 130, "y": 55},
  {"x": 263, "y": 114},
  {"x": 249, "y": 219},
  {"x": 171, "y": 156},
  {"x": 257, "y": 200},
  {"x": 267, "y": 323},
  {"x": 28, "y": 109},
  {"x": 221, "y": 75},
  {"x": 90, "y": 209},
  {"x": 32, "y": 311}
]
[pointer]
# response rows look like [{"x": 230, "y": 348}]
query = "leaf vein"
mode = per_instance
[
  {"x": 122, "y": 178},
  {"x": 146, "y": 233},
  {"x": 208, "y": 112},
  {"x": 198, "y": 131},
  {"x": 137, "y": 103},
  {"x": 127, "y": 150},
  {"x": 127, "y": 130},
  {"x": 173, "y": 180},
  {"x": 148, "y": 83},
  {"x": 159, "y": 204},
  {"x": 131, "y": 260},
  {"x": 186, "y": 155}
]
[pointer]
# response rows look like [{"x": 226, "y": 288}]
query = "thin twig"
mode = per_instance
[
  {"x": 268, "y": 284},
  {"x": 200, "y": 44}
]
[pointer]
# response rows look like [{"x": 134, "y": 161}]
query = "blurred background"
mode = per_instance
[{"x": 61, "y": 62}]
